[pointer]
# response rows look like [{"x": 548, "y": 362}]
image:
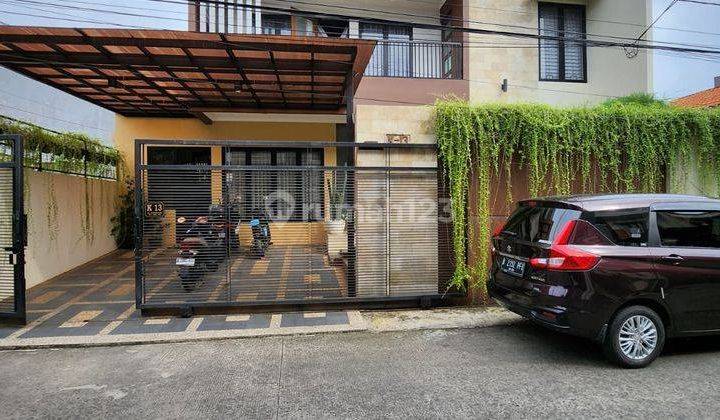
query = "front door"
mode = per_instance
[
  {"x": 688, "y": 264},
  {"x": 12, "y": 237}
]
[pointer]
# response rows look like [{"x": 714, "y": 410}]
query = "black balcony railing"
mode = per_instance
[
  {"x": 393, "y": 57},
  {"x": 426, "y": 60}
]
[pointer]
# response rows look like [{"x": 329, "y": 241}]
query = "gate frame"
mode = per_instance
[
  {"x": 19, "y": 231},
  {"x": 344, "y": 302}
]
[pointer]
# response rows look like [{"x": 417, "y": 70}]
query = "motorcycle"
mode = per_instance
[
  {"x": 261, "y": 237},
  {"x": 203, "y": 247}
]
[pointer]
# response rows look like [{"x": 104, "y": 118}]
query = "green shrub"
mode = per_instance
[{"x": 123, "y": 223}]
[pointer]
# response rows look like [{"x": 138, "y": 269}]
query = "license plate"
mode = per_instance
[
  {"x": 512, "y": 266},
  {"x": 188, "y": 262}
]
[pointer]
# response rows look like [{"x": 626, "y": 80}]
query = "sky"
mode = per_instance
[
  {"x": 675, "y": 75},
  {"x": 699, "y": 24}
]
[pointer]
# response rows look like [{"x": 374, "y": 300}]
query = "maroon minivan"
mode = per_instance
[{"x": 626, "y": 270}]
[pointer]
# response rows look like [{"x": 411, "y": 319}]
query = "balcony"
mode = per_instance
[
  {"x": 402, "y": 51},
  {"x": 412, "y": 59}
]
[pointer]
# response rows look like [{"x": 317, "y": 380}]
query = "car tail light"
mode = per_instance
[
  {"x": 498, "y": 230},
  {"x": 564, "y": 255}
]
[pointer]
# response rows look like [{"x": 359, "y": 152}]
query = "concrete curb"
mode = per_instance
[
  {"x": 371, "y": 321},
  {"x": 442, "y": 318}
]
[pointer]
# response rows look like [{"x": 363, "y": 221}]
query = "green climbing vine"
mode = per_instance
[
  {"x": 70, "y": 153},
  {"x": 52, "y": 212},
  {"x": 619, "y": 146},
  {"x": 73, "y": 153}
]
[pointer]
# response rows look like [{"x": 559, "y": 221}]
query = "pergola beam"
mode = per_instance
[{"x": 172, "y": 73}]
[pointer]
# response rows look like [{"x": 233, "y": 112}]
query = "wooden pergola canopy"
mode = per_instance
[{"x": 173, "y": 73}]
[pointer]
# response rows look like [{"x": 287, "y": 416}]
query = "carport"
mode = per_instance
[{"x": 344, "y": 223}]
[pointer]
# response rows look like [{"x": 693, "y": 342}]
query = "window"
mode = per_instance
[
  {"x": 392, "y": 56},
  {"x": 538, "y": 224},
  {"x": 173, "y": 187},
  {"x": 276, "y": 24},
  {"x": 624, "y": 228},
  {"x": 333, "y": 28},
  {"x": 689, "y": 228},
  {"x": 562, "y": 61},
  {"x": 288, "y": 194}
]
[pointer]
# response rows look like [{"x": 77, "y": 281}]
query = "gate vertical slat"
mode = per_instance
[
  {"x": 12, "y": 230},
  {"x": 138, "y": 231}
]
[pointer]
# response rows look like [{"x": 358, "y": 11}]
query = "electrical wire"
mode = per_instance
[
  {"x": 4, "y": 105},
  {"x": 707, "y": 3},
  {"x": 484, "y": 45},
  {"x": 660, "y": 16},
  {"x": 217, "y": 83},
  {"x": 417, "y": 24},
  {"x": 631, "y": 52},
  {"x": 520, "y": 86},
  {"x": 440, "y": 27},
  {"x": 524, "y": 12},
  {"x": 45, "y": 104}
]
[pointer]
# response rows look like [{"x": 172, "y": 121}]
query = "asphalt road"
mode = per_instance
[{"x": 513, "y": 371}]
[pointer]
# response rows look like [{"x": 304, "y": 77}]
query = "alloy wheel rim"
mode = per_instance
[{"x": 638, "y": 337}]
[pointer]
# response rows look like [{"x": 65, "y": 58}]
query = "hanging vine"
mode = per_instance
[
  {"x": 52, "y": 211},
  {"x": 621, "y": 146},
  {"x": 86, "y": 224}
]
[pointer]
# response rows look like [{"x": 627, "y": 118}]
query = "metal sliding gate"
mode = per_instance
[
  {"x": 12, "y": 237},
  {"x": 276, "y": 225}
]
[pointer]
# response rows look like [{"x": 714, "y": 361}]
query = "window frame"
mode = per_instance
[
  {"x": 561, "y": 7},
  {"x": 297, "y": 216},
  {"x": 273, "y": 17},
  {"x": 654, "y": 232},
  {"x": 650, "y": 228},
  {"x": 384, "y": 45}
]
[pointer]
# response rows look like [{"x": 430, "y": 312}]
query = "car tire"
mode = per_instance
[{"x": 630, "y": 341}]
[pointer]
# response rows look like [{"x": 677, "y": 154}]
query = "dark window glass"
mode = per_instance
[
  {"x": 625, "y": 228},
  {"x": 333, "y": 28},
  {"x": 536, "y": 224},
  {"x": 291, "y": 194},
  {"x": 689, "y": 229},
  {"x": 178, "y": 156},
  {"x": 587, "y": 234},
  {"x": 276, "y": 24},
  {"x": 392, "y": 56},
  {"x": 187, "y": 192},
  {"x": 562, "y": 60}
]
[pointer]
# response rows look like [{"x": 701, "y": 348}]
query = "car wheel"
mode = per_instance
[{"x": 635, "y": 337}]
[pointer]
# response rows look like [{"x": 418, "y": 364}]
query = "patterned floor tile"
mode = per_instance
[{"x": 78, "y": 319}]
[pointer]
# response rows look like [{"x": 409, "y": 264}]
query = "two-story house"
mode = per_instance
[{"x": 302, "y": 131}]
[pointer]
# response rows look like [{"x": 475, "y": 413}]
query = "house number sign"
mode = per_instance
[{"x": 156, "y": 208}]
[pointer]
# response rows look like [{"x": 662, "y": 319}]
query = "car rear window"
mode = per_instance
[
  {"x": 623, "y": 227},
  {"x": 538, "y": 224}
]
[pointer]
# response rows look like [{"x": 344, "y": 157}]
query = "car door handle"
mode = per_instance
[{"x": 673, "y": 258}]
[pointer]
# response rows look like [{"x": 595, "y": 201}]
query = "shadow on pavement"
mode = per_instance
[
  {"x": 580, "y": 350},
  {"x": 683, "y": 346}
]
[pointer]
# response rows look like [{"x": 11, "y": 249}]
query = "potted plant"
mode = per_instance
[{"x": 335, "y": 225}]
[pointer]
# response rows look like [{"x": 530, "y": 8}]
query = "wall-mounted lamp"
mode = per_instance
[{"x": 504, "y": 85}]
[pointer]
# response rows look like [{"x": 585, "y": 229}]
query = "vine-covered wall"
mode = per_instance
[
  {"x": 618, "y": 147},
  {"x": 73, "y": 153},
  {"x": 70, "y": 191},
  {"x": 62, "y": 234}
]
